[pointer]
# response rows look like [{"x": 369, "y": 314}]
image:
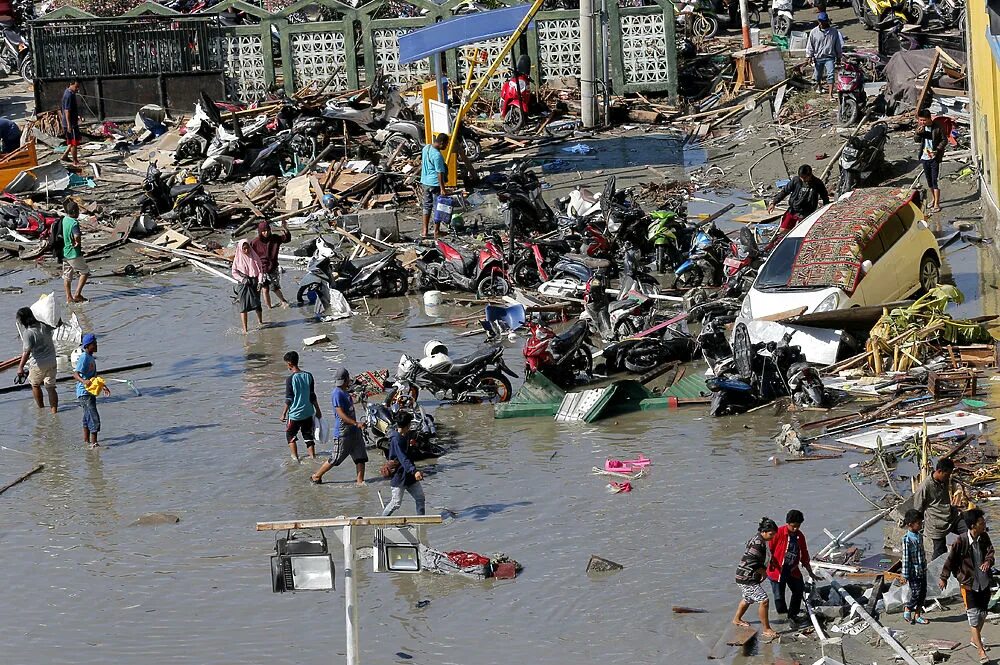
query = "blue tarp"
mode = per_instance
[{"x": 459, "y": 31}]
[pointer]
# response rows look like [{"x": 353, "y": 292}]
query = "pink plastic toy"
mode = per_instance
[{"x": 627, "y": 466}]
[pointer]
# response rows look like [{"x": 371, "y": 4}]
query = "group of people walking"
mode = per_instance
[
  {"x": 780, "y": 554},
  {"x": 302, "y": 413}
]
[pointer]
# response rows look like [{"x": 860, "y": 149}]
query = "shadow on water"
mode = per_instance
[
  {"x": 166, "y": 435},
  {"x": 483, "y": 511}
]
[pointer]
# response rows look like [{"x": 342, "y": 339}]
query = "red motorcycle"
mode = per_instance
[
  {"x": 559, "y": 357},
  {"x": 483, "y": 273},
  {"x": 536, "y": 261}
]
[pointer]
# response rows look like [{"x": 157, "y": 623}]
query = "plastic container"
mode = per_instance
[
  {"x": 432, "y": 298},
  {"x": 442, "y": 210}
]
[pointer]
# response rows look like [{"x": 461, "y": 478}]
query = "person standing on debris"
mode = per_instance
[
  {"x": 69, "y": 115},
  {"x": 247, "y": 272},
  {"x": 970, "y": 560},
  {"x": 38, "y": 345},
  {"x": 914, "y": 568},
  {"x": 788, "y": 551},
  {"x": 85, "y": 374},
  {"x": 804, "y": 192},
  {"x": 824, "y": 48},
  {"x": 72, "y": 252},
  {"x": 932, "y": 141},
  {"x": 404, "y": 473},
  {"x": 10, "y": 136},
  {"x": 301, "y": 406},
  {"x": 433, "y": 175},
  {"x": 266, "y": 246},
  {"x": 347, "y": 436},
  {"x": 933, "y": 499},
  {"x": 751, "y": 572}
]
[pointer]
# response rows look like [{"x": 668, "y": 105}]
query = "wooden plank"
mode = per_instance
[
  {"x": 927, "y": 83},
  {"x": 22, "y": 478},
  {"x": 733, "y": 635},
  {"x": 947, "y": 92},
  {"x": 781, "y": 316},
  {"x": 171, "y": 239}
]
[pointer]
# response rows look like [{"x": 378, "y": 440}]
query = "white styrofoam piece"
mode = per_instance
[{"x": 894, "y": 436}]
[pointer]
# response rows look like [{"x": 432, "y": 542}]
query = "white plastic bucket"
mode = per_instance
[{"x": 432, "y": 298}]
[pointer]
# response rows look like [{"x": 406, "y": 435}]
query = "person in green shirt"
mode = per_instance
[{"x": 72, "y": 253}]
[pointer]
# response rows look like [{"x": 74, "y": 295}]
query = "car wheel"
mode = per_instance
[{"x": 930, "y": 272}]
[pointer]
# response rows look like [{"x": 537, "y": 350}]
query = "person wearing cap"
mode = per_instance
[
  {"x": 85, "y": 372},
  {"x": 405, "y": 476},
  {"x": 824, "y": 48},
  {"x": 347, "y": 436},
  {"x": 266, "y": 246}
]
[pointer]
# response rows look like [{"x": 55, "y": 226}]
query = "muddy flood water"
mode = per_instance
[{"x": 84, "y": 585}]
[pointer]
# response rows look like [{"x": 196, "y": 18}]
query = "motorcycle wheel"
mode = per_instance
[
  {"x": 27, "y": 69},
  {"x": 473, "y": 150},
  {"x": 393, "y": 283},
  {"x": 705, "y": 26},
  {"x": 303, "y": 293},
  {"x": 513, "y": 120},
  {"x": 917, "y": 14},
  {"x": 848, "y": 111},
  {"x": 782, "y": 26},
  {"x": 525, "y": 273},
  {"x": 583, "y": 361},
  {"x": 494, "y": 284},
  {"x": 689, "y": 279},
  {"x": 400, "y": 143},
  {"x": 496, "y": 385}
]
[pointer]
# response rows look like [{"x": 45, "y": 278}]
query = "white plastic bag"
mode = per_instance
[{"x": 321, "y": 430}]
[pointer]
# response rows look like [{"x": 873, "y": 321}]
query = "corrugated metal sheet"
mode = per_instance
[{"x": 687, "y": 388}]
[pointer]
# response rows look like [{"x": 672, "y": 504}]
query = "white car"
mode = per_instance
[{"x": 870, "y": 247}]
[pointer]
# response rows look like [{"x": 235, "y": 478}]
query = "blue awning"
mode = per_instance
[{"x": 459, "y": 31}]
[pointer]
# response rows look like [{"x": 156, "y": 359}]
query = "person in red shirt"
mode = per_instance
[
  {"x": 788, "y": 552},
  {"x": 266, "y": 246}
]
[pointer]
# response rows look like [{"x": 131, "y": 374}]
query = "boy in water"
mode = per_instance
[
  {"x": 84, "y": 373},
  {"x": 300, "y": 407},
  {"x": 751, "y": 573}
]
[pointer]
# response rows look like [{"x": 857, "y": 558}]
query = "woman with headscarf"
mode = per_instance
[{"x": 247, "y": 272}]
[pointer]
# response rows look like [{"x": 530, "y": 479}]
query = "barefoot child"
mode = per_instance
[
  {"x": 914, "y": 566},
  {"x": 750, "y": 574}
]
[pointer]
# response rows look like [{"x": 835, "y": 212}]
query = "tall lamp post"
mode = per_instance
[{"x": 306, "y": 562}]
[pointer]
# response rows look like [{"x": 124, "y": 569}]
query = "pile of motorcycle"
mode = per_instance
[{"x": 757, "y": 374}]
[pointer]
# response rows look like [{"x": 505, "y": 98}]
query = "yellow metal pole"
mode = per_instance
[{"x": 467, "y": 104}]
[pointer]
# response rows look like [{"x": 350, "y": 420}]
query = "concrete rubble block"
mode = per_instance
[
  {"x": 832, "y": 648},
  {"x": 601, "y": 565},
  {"x": 151, "y": 519},
  {"x": 372, "y": 221}
]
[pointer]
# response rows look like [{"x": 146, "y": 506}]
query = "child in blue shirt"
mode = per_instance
[
  {"x": 84, "y": 372},
  {"x": 914, "y": 567}
]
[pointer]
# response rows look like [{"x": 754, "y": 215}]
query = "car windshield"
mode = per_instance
[{"x": 778, "y": 269}]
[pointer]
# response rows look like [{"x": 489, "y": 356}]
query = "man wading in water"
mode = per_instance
[
  {"x": 39, "y": 345},
  {"x": 346, "y": 431},
  {"x": 300, "y": 407}
]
